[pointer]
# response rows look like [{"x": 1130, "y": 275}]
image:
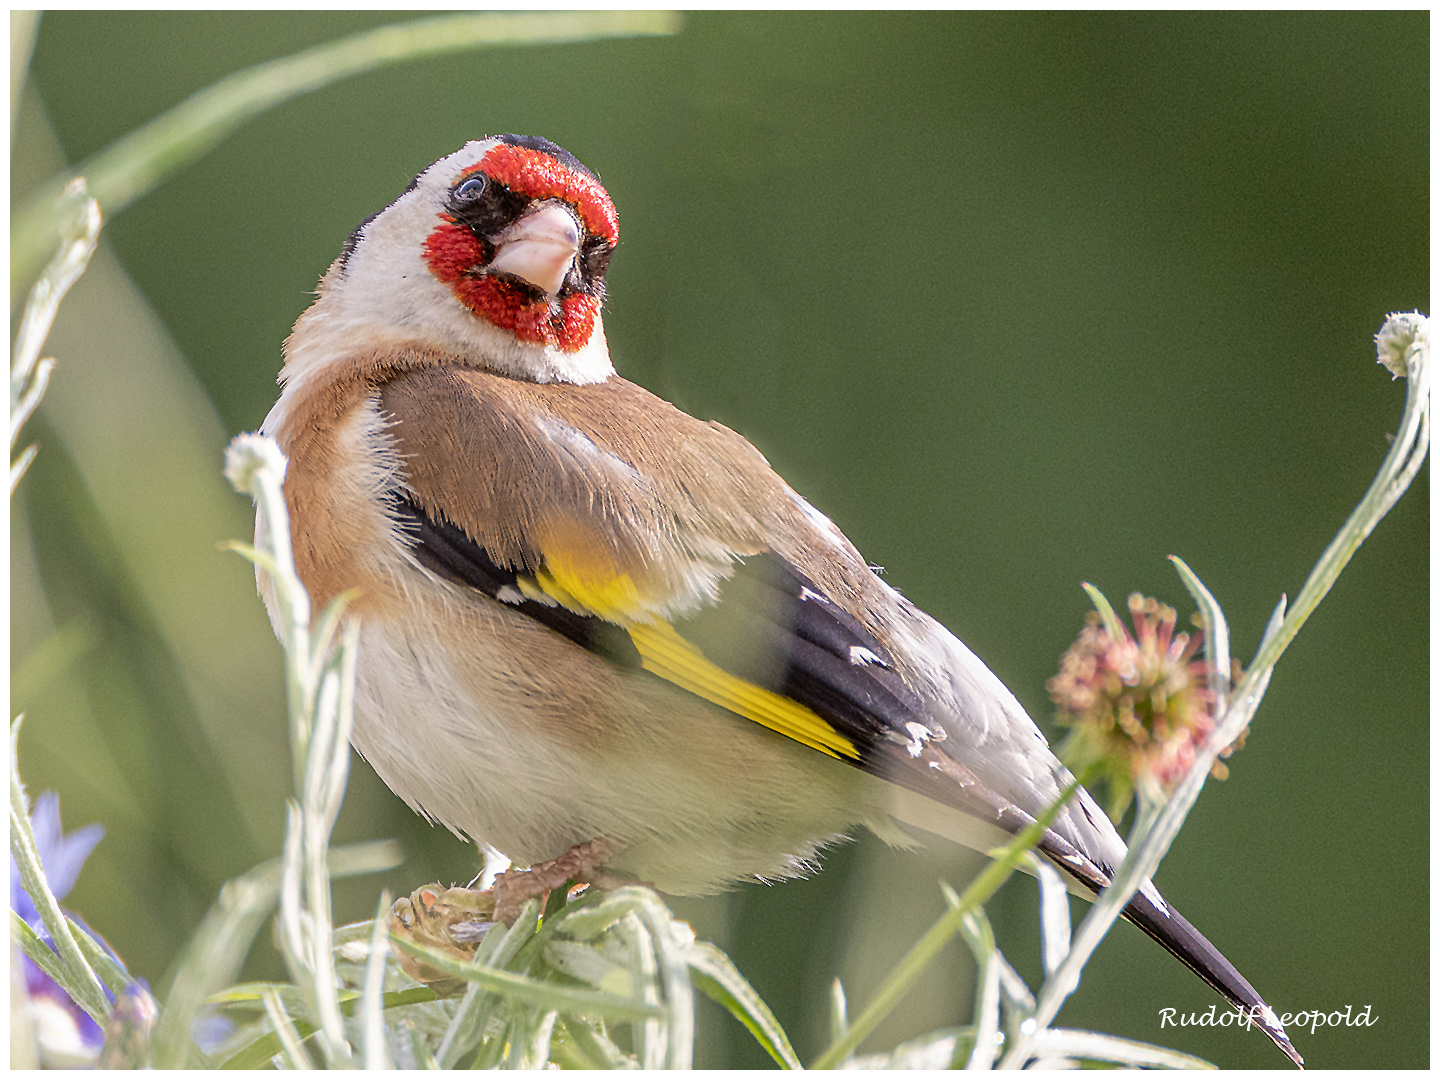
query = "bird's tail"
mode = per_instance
[
  {"x": 1190, "y": 947},
  {"x": 1087, "y": 849}
]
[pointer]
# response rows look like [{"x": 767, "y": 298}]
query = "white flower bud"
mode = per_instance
[
  {"x": 1403, "y": 340},
  {"x": 248, "y": 454}
]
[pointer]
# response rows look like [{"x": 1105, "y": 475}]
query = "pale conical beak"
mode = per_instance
[{"x": 540, "y": 247}]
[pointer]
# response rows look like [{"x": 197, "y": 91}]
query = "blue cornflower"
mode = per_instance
[{"x": 65, "y": 1031}]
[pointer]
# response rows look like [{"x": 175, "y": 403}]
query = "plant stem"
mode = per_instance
[
  {"x": 1159, "y": 824},
  {"x": 928, "y": 947}
]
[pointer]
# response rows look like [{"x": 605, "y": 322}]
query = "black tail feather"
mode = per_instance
[
  {"x": 1191, "y": 948},
  {"x": 1166, "y": 925}
]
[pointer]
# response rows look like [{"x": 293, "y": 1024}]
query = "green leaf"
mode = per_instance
[
  {"x": 218, "y": 948},
  {"x": 531, "y": 991},
  {"x": 1217, "y": 633},
  {"x": 1107, "y": 613},
  {"x": 31, "y": 945},
  {"x": 579, "y": 1045},
  {"x": 715, "y": 976},
  {"x": 110, "y": 971}
]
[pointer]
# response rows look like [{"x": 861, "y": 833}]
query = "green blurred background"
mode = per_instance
[{"x": 1018, "y": 300}]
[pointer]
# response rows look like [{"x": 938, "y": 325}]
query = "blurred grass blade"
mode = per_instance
[
  {"x": 533, "y": 1052},
  {"x": 218, "y": 947},
  {"x": 23, "y": 25},
  {"x": 372, "y": 999},
  {"x": 257, "y": 1054},
  {"x": 671, "y": 941},
  {"x": 975, "y": 928},
  {"x": 134, "y": 164},
  {"x": 20, "y": 465},
  {"x": 582, "y": 1047},
  {"x": 106, "y": 966},
  {"x": 647, "y": 1032},
  {"x": 932, "y": 1052},
  {"x": 51, "y": 964},
  {"x": 55, "y": 656},
  {"x": 76, "y": 221},
  {"x": 928, "y": 947},
  {"x": 420, "y": 1049},
  {"x": 517, "y": 987},
  {"x": 1093, "y": 1046},
  {"x": 251, "y": 995},
  {"x": 1012, "y": 987},
  {"x": 839, "y": 1011},
  {"x": 213, "y": 956},
  {"x": 291, "y": 1043},
  {"x": 81, "y": 982},
  {"x": 715, "y": 976},
  {"x": 456, "y": 1040},
  {"x": 1054, "y": 914}
]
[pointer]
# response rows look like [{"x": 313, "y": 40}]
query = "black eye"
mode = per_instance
[{"x": 471, "y": 188}]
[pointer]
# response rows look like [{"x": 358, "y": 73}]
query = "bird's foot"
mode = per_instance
[
  {"x": 583, "y": 864},
  {"x": 452, "y": 920}
]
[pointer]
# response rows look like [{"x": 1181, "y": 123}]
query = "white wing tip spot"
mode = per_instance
[
  {"x": 860, "y": 656},
  {"x": 919, "y": 736},
  {"x": 1153, "y": 895}
]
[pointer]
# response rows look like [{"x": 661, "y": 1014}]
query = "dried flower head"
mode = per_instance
[{"x": 1138, "y": 706}]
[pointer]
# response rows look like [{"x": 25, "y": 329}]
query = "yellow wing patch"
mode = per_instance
[
  {"x": 616, "y": 600},
  {"x": 590, "y": 585},
  {"x": 663, "y": 652}
]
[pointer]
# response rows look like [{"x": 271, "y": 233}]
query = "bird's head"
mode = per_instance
[{"x": 497, "y": 252}]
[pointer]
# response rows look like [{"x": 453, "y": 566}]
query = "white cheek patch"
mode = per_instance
[{"x": 387, "y": 288}]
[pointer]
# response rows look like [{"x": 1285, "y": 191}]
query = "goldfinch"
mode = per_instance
[{"x": 596, "y": 629}]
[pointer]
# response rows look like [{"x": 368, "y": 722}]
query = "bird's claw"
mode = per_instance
[{"x": 582, "y": 864}]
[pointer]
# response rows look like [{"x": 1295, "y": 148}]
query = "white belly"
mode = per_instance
[{"x": 477, "y": 733}]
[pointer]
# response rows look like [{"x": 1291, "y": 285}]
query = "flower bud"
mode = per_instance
[{"x": 1138, "y": 706}]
